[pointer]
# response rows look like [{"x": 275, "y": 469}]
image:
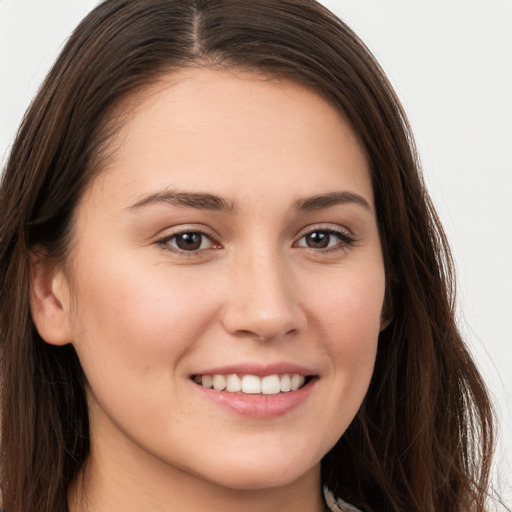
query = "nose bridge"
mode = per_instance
[{"x": 262, "y": 300}]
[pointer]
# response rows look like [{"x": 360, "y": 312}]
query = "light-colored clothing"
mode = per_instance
[{"x": 337, "y": 504}]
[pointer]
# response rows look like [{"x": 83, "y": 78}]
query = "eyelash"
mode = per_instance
[
  {"x": 165, "y": 242},
  {"x": 345, "y": 241}
]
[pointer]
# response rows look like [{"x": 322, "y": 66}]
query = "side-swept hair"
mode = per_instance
[{"x": 422, "y": 440}]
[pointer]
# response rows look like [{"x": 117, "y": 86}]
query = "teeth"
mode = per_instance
[
  {"x": 252, "y": 384},
  {"x": 219, "y": 382},
  {"x": 270, "y": 385},
  {"x": 296, "y": 382},
  {"x": 234, "y": 383},
  {"x": 207, "y": 381},
  {"x": 285, "y": 383}
]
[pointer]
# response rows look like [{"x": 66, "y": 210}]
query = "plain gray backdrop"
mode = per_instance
[{"x": 451, "y": 64}]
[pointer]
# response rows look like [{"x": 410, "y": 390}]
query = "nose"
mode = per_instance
[{"x": 262, "y": 301}]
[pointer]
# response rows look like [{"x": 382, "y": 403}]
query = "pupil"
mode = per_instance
[
  {"x": 189, "y": 241},
  {"x": 318, "y": 240}
]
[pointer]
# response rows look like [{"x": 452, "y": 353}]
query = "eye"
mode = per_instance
[
  {"x": 188, "y": 241},
  {"x": 323, "y": 239}
]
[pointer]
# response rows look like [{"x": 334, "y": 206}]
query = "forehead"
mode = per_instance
[{"x": 230, "y": 129}]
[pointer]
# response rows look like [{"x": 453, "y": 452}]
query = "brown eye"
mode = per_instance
[
  {"x": 190, "y": 241},
  {"x": 318, "y": 240},
  {"x": 325, "y": 239}
]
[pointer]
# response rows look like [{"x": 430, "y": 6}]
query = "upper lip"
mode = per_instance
[{"x": 260, "y": 370}]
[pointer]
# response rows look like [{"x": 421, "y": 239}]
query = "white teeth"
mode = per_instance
[
  {"x": 285, "y": 383},
  {"x": 252, "y": 384},
  {"x": 234, "y": 383},
  {"x": 270, "y": 385},
  {"x": 219, "y": 382},
  {"x": 296, "y": 382}
]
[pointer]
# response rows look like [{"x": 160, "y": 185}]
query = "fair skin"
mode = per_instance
[{"x": 280, "y": 273}]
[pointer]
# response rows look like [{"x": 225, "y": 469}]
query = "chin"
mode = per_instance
[
  {"x": 271, "y": 473},
  {"x": 256, "y": 482}
]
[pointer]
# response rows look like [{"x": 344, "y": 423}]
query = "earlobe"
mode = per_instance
[
  {"x": 386, "y": 315},
  {"x": 384, "y": 322},
  {"x": 49, "y": 301}
]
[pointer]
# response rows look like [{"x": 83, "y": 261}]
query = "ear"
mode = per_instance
[
  {"x": 384, "y": 323},
  {"x": 386, "y": 315},
  {"x": 49, "y": 300}
]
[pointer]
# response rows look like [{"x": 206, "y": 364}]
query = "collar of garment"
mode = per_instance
[{"x": 337, "y": 504}]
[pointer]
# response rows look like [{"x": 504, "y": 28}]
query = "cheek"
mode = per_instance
[
  {"x": 349, "y": 320},
  {"x": 349, "y": 306},
  {"x": 137, "y": 323}
]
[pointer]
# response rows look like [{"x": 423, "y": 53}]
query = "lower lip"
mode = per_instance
[{"x": 259, "y": 405}]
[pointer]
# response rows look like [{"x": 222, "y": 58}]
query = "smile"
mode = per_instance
[{"x": 252, "y": 384}]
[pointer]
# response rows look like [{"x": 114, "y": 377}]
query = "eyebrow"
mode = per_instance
[
  {"x": 323, "y": 201},
  {"x": 201, "y": 201},
  {"x": 211, "y": 202}
]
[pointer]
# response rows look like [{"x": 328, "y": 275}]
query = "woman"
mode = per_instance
[{"x": 223, "y": 283}]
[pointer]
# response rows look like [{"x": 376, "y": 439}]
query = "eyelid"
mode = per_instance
[
  {"x": 330, "y": 227},
  {"x": 347, "y": 238},
  {"x": 183, "y": 229}
]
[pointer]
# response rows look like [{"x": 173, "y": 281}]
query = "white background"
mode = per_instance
[{"x": 451, "y": 64}]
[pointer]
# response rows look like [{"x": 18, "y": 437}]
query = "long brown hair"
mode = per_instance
[{"x": 423, "y": 438}]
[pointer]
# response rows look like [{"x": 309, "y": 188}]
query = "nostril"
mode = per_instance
[{"x": 263, "y": 310}]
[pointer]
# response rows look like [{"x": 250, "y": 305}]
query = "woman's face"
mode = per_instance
[{"x": 231, "y": 240}]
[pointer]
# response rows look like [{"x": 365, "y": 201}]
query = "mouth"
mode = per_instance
[
  {"x": 247, "y": 384},
  {"x": 257, "y": 391}
]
